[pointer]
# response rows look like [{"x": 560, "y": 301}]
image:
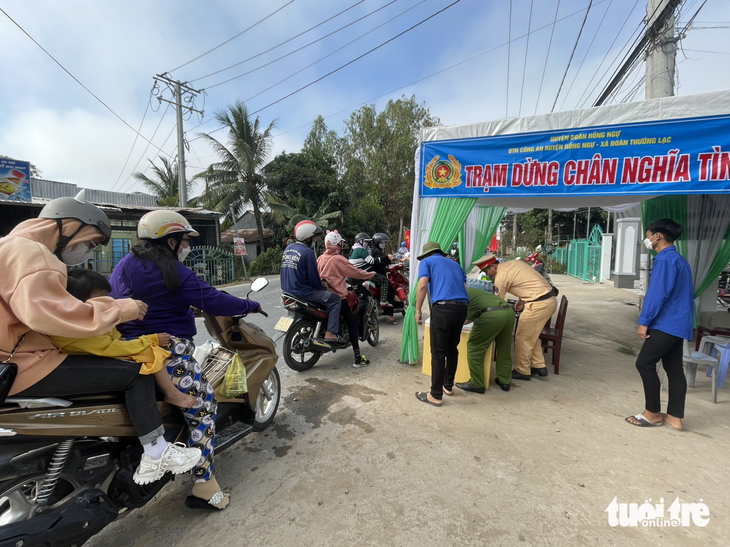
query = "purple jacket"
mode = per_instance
[{"x": 134, "y": 278}]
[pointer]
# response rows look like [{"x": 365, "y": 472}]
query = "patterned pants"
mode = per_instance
[
  {"x": 187, "y": 376},
  {"x": 382, "y": 282}
]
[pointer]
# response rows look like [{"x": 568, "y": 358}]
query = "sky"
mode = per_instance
[{"x": 477, "y": 60}]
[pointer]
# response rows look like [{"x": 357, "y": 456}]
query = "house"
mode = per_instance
[
  {"x": 251, "y": 237},
  {"x": 124, "y": 211}
]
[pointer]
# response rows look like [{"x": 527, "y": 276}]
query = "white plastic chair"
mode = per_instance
[{"x": 692, "y": 360}]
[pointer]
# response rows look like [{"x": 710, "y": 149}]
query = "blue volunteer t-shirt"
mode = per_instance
[{"x": 445, "y": 278}]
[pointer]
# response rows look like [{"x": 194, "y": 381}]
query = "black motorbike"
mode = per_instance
[
  {"x": 66, "y": 465},
  {"x": 307, "y": 322}
]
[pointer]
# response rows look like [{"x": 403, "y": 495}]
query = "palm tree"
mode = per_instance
[
  {"x": 165, "y": 184},
  {"x": 236, "y": 179},
  {"x": 296, "y": 209}
]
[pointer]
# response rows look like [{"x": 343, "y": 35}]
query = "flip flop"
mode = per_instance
[
  {"x": 447, "y": 391},
  {"x": 194, "y": 502},
  {"x": 643, "y": 422},
  {"x": 391, "y": 321},
  {"x": 423, "y": 397}
]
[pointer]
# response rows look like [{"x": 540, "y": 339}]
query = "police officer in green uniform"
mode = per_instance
[{"x": 494, "y": 321}]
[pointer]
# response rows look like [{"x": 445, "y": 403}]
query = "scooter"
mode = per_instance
[
  {"x": 307, "y": 322},
  {"x": 66, "y": 465},
  {"x": 538, "y": 265},
  {"x": 399, "y": 284}
]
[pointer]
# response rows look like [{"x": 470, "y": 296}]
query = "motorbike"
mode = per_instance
[
  {"x": 538, "y": 265},
  {"x": 307, "y": 322},
  {"x": 66, "y": 465},
  {"x": 399, "y": 283}
]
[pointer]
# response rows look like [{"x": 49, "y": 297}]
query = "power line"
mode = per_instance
[
  {"x": 72, "y": 76},
  {"x": 287, "y": 41},
  {"x": 547, "y": 56},
  {"x": 134, "y": 142},
  {"x": 232, "y": 38},
  {"x": 524, "y": 65},
  {"x": 571, "y": 54},
  {"x": 315, "y": 41},
  {"x": 588, "y": 49}
]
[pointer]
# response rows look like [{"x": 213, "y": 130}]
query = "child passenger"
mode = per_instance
[{"x": 146, "y": 350}]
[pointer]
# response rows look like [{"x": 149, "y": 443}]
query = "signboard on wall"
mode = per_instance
[
  {"x": 14, "y": 180},
  {"x": 239, "y": 246},
  {"x": 681, "y": 156}
]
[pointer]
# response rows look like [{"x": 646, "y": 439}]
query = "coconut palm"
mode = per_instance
[
  {"x": 164, "y": 186},
  {"x": 295, "y": 209},
  {"x": 236, "y": 179}
]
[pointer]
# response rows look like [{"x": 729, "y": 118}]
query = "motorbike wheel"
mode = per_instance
[
  {"x": 18, "y": 497},
  {"x": 268, "y": 401},
  {"x": 295, "y": 356},
  {"x": 373, "y": 328}
]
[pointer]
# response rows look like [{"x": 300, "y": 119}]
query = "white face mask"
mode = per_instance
[
  {"x": 647, "y": 243},
  {"x": 78, "y": 254},
  {"x": 183, "y": 253}
]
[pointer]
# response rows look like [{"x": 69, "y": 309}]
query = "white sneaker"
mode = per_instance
[{"x": 177, "y": 458}]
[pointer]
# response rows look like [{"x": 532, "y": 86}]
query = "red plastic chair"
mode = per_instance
[{"x": 552, "y": 338}]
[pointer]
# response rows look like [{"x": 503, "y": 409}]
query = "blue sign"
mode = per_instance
[
  {"x": 684, "y": 156},
  {"x": 14, "y": 180}
]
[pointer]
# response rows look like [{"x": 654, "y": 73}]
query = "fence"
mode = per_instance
[
  {"x": 212, "y": 265},
  {"x": 560, "y": 255},
  {"x": 584, "y": 257}
]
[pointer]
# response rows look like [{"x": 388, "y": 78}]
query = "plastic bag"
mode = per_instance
[{"x": 234, "y": 382}]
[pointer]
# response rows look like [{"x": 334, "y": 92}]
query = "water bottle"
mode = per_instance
[{"x": 201, "y": 352}]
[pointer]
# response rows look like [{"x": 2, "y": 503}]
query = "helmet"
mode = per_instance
[
  {"x": 306, "y": 229},
  {"x": 380, "y": 237},
  {"x": 402, "y": 243},
  {"x": 362, "y": 236},
  {"x": 163, "y": 223},
  {"x": 78, "y": 208},
  {"x": 454, "y": 244},
  {"x": 333, "y": 238}
]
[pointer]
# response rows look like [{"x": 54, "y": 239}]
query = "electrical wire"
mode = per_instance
[
  {"x": 580, "y": 32},
  {"x": 286, "y": 41},
  {"x": 134, "y": 142},
  {"x": 321, "y": 58},
  {"x": 74, "y": 77},
  {"x": 544, "y": 67},
  {"x": 527, "y": 51},
  {"x": 439, "y": 12},
  {"x": 233, "y": 38}
]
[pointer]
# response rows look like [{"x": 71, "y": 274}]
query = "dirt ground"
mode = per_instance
[{"x": 354, "y": 459}]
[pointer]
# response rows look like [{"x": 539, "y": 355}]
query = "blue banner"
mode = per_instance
[
  {"x": 683, "y": 156},
  {"x": 14, "y": 180}
]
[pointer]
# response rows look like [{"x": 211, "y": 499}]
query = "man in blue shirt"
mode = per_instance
[
  {"x": 666, "y": 320},
  {"x": 300, "y": 277},
  {"x": 446, "y": 284}
]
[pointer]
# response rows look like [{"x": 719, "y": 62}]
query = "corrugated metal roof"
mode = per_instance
[{"x": 52, "y": 189}]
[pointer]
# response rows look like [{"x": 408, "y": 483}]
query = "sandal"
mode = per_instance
[
  {"x": 194, "y": 502},
  {"x": 643, "y": 422},
  {"x": 448, "y": 392},
  {"x": 423, "y": 397},
  {"x": 391, "y": 320}
]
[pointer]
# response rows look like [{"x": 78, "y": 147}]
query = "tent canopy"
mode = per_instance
[{"x": 612, "y": 157}]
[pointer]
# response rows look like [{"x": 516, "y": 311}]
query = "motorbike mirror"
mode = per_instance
[{"x": 259, "y": 283}]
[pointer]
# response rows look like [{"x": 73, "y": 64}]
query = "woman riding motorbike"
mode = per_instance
[
  {"x": 153, "y": 271},
  {"x": 363, "y": 260},
  {"x": 34, "y": 304},
  {"x": 334, "y": 269},
  {"x": 381, "y": 261}
]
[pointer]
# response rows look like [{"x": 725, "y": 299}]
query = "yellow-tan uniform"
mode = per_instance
[{"x": 518, "y": 278}]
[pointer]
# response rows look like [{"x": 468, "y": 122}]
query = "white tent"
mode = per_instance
[{"x": 485, "y": 159}]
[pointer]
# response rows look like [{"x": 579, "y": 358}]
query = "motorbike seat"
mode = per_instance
[{"x": 289, "y": 299}]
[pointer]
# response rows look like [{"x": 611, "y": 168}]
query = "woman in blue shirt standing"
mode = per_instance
[{"x": 665, "y": 323}]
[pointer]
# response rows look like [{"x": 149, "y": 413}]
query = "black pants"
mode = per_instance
[
  {"x": 90, "y": 375},
  {"x": 669, "y": 349},
  {"x": 446, "y": 323},
  {"x": 352, "y": 321}
]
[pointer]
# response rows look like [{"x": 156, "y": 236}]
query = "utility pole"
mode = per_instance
[
  {"x": 178, "y": 88},
  {"x": 514, "y": 234}
]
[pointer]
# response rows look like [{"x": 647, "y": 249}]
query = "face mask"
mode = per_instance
[
  {"x": 78, "y": 254},
  {"x": 647, "y": 243},
  {"x": 182, "y": 255}
]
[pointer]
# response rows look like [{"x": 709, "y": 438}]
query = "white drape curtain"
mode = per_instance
[{"x": 708, "y": 217}]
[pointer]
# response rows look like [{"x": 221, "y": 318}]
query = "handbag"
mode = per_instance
[{"x": 8, "y": 372}]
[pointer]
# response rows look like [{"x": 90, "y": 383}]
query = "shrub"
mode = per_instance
[
  {"x": 557, "y": 268},
  {"x": 268, "y": 263}
]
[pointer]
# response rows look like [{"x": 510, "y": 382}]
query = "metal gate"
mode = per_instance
[
  {"x": 212, "y": 265},
  {"x": 584, "y": 257}
]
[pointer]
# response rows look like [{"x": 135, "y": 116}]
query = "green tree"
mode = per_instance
[
  {"x": 326, "y": 142},
  {"x": 381, "y": 148},
  {"x": 237, "y": 179},
  {"x": 295, "y": 209},
  {"x": 309, "y": 174},
  {"x": 165, "y": 184}
]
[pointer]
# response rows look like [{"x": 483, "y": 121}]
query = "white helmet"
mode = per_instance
[
  {"x": 163, "y": 223},
  {"x": 306, "y": 229},
  {"x": 333, "y": 238}
]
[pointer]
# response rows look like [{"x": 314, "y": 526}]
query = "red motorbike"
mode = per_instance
[{"x": 399, "y": 283}]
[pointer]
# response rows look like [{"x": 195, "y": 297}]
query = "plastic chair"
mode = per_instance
[
  {"x": 692, "y": 360},
  {"x": 553, "y": 338}
]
